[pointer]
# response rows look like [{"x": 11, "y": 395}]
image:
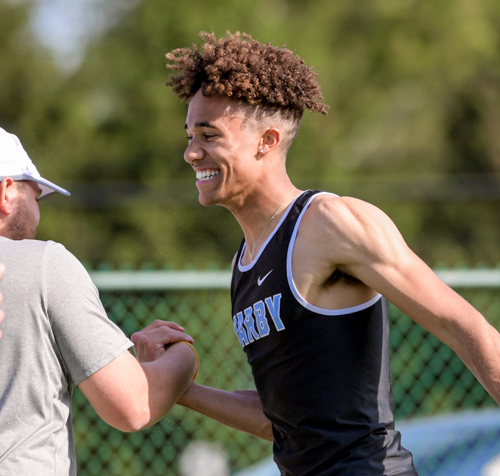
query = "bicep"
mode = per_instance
[
  {"x": 408, "y": 283},
  {"x": 417, "y": 291},
  {"x": 117, "y": 391},
  {"x": 373, "y": 251},
  {"x": 86, "y": 338}
]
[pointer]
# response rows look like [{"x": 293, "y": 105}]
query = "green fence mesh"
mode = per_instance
[{"x": 427, "y": 379}]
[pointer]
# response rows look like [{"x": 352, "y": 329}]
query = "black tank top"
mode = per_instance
[{"x": 322, "y": 375}]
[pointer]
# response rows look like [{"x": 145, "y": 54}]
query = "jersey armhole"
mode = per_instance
[{"x": 291, "y": 282}]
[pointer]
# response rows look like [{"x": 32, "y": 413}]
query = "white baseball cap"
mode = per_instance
[{"x": 15, "y": 163}]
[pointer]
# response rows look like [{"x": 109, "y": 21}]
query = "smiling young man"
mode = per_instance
[
  {"x": 57, "y": 336},
  {"x": 311, "y": 277}
]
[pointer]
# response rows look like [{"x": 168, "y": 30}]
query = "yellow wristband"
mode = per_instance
[{"x": 195, "y": 353}]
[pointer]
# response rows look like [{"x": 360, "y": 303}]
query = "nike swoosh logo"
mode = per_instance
[{"x": 260, "y": 281}]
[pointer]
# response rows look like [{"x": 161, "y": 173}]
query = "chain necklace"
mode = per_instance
[{"x": 269, "y": 222}]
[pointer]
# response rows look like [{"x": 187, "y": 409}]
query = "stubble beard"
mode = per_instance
[{"x": 23, "y": 225}]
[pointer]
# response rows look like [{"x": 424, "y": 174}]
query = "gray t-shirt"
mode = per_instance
[{"x": 55, "y": 334}]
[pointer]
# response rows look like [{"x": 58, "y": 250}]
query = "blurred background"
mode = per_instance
[
  {"x": 414, "y": 95},
  {"x": 413, "y": 127}
]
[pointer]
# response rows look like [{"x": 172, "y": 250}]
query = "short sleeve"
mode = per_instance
[{"x": 86, "y": 338}]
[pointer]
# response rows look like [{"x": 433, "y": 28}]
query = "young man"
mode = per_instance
[
  {"x": 56, "y": 335},
  {"x": 311, "y": 277}
]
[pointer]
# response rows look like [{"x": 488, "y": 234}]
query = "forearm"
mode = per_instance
[
  {"x": 479, "y": 349},
  {"x": 472, "y": 338},
  {"x": 240, "y": 409},
  {"x": 130, "y": 396},
  {"x": 421, "y": 295},
  {"x": 168, "y": 378}
]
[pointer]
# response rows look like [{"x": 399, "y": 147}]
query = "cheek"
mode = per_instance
[{"x": 36, "y": 213}]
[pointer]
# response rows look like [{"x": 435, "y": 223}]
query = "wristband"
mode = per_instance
[{"x": 195, "y": 353}]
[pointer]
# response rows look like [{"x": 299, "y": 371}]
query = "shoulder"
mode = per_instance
[
  {"x": 35, "y": 263},
  {"x": 60, "y": 263},
  {"x": 59, "y": 251},
  {"x": 335, "y": 214},
  {"x": 35, "y": 245},
  {"x": 347, "y": 230},
  {"x": 45, "y": 253},
  {"x": 47, "y": 261},
  {"x": 32, "y": 252},
  {"x": 27, "y": 245}
]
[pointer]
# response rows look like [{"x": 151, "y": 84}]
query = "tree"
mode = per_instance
[{"x": 414, "y": 89}]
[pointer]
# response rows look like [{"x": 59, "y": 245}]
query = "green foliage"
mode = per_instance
[{"x": 414, "y": 89}]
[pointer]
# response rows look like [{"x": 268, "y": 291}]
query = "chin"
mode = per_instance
[
  {"x": 206, "y": 202},
  {"x": 208, "y": 199}
]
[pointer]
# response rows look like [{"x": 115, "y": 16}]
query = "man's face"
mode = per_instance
[
  {"x": 222, "y": 150},
  {"x": 25, "y": 219}
]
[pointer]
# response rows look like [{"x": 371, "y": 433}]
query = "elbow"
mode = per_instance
[
  {"x": 134, "y": 418},
  {"x": 133, "y": 425},
  {"x": 263, "y": 430},
  {"x": 267, "y": 433}
]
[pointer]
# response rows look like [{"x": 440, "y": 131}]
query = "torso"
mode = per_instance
[
  {"x": 320, "y": 281},
  {"x": 321, "y": 367}
]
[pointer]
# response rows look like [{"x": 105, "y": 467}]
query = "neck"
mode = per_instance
[{"x": 261, "y": 212}]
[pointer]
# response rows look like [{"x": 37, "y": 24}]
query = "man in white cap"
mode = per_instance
[
  {"x": 18, "y": 171},
  {"x": 56, "y": 335}
]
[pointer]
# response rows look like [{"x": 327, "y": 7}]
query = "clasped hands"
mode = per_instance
[{"x": 153, "y": 341}]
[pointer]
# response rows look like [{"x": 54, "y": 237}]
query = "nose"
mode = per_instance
[{"x": 193, "y": 152}]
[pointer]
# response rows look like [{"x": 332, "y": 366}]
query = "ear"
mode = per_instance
[
  {"x": 270, "y": 140},
  {"x": 7, "y": 193}
]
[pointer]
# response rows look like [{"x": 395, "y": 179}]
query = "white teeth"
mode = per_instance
[{"x": 206, "y": 175}]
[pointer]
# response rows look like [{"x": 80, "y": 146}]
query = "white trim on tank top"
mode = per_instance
[
  {"x": 291, "y": 282},
  {"x": 247, "y": 267}
]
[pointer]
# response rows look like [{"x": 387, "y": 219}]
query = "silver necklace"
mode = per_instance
[{"x": 269, "y": 222}]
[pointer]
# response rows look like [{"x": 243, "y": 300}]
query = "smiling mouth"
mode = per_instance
[{"x": 206, "y": 175}]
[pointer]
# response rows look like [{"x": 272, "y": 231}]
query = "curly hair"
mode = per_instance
[{"x": 242, "y": 68}]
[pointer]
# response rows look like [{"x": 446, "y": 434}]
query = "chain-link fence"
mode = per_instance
[{"x": 427, "y": 377}]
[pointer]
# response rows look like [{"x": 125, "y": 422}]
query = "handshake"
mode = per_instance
[{"x": 153, "y": 341}]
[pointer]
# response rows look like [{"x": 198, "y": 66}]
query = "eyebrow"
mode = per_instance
[{"x": 201, "y": 124}]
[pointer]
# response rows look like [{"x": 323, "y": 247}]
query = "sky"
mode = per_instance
[{"x": 66, "y": 26}]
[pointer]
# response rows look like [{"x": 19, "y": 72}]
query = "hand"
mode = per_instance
[
  {"x": 2, "y": 314},
  {"x": 150, "y": 342}
]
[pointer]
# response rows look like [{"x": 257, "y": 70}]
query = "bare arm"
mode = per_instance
[
  {"x": 240, "y": 409},
  {"x": 130, "y": 396},
  {"x": 364, "y": 243}
]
